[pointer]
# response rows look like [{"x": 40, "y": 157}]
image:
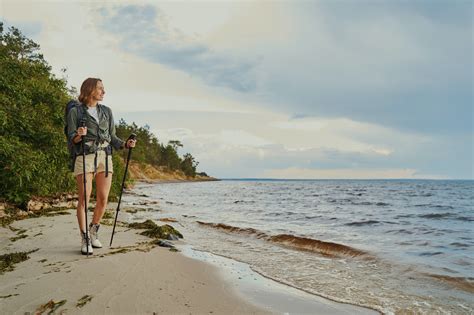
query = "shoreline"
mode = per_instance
[
  {"x": 57, "y": 272},
  {"x": 172, "y": 181},
  {"x": 272, "y": 294}
]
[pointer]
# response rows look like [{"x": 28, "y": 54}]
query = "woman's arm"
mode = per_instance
[
  {"x": 72, "y": 126},
  {"x": 115, "y": 141}
]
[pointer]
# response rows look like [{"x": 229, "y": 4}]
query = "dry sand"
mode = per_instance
[{"x": 130, "y": 278}]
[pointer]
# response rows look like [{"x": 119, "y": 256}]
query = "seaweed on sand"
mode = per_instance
[
  {"x": 7, "y": 296},
  {"x": 16, "y": 238},
  {"x": 164, "y": 232},
  {"x": 20, "y": 234},
  {"x": 7, "y": 261},
  {"x": 83, "y": 300},
  {"x": 152, "y": 230},
  {"x": 51, "y": 305},
  {"x": 15, "y": 214},
  {"x": 120, "y": 251},
  {"x": 148, "y": 224}
]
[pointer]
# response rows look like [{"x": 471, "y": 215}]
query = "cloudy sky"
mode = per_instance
[{"x": 278, "y": 89}]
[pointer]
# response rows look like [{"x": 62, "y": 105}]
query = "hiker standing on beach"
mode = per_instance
[{"x": 99, "y": 138}]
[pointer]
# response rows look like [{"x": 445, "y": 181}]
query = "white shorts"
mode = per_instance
[{"x": 78, "y": 167}]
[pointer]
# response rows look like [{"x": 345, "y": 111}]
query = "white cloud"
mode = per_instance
[{"x": 382, "y": 151}]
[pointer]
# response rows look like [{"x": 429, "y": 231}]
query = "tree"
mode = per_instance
[
  {"x": 175, "y": 144},
  {"x": 188, "y": 165},
  {"x": 169, "y": 157},
  {"x": 33, "y": 154}
]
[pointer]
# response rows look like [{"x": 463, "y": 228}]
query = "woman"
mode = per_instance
[{"x": 99, "y": 138}]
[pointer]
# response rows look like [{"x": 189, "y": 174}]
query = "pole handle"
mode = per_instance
[{"x": 132, "y": 136}]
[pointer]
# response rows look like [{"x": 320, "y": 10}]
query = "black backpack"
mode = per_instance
[{"x": 71, "y": 147}]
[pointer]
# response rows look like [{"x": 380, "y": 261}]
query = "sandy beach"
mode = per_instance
[{"x": 133, "y": 277}]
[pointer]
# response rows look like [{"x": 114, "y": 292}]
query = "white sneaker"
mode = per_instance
[
  {"x": 94, "y": 233},
  {"x": 86, "y": 247}
]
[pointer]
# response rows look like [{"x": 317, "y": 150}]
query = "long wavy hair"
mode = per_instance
[{"x": 87, "y": 88}]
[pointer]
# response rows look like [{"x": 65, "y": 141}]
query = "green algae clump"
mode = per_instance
[
  {"x": 148, "y": 224},
  {"x": 7, "y": 261},
  {"x": 152, "y": 230},
  {"x": 164, "y": 232}
]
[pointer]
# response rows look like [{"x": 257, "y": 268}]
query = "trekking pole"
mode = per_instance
[
  {"x": 83, "y": 124},
  {"x": 132, "y": 137}
]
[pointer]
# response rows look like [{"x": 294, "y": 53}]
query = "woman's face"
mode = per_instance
[{"x": 99, "y": 92}]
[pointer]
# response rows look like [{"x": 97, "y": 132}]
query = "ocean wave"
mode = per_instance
[
  {"x": 234, "y": 229},
  {"x": 469, "y": 219},
  {"x": 404, "y": 216},
  {"x": 309, "y": 217},
  {"x": 430, "y": 253},
  {"x": 361, "y": 223},
  {"x": 355, "y": 194},
  {"x": 244, "y": 201},
  {"x": 460, "y": 245},
  {"x": 436, "y": 216},
  {"x": 465, "y": 284},
  {"x": 334, "y": 250},
  {"x": 399, "y": 231},
  {"x": 295, "y": 242},
  {"x": 321, "y": 247},
  {"x": 361, "y": 203},
  {"x": 340, "y": 201},
  {"x": 429, "y": 205}
]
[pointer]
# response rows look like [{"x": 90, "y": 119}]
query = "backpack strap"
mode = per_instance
[{"x": 80, "y": 112}]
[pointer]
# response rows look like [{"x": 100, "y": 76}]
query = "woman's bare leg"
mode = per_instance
[
  {"x": 81, "y": 218},
  {"x": 102, "y": 184}
]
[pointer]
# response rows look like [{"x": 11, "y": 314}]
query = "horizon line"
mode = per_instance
[{"x": 312, "y": 179}]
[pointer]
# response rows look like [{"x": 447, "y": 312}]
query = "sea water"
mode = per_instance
[{"x": 393, "y": 245}]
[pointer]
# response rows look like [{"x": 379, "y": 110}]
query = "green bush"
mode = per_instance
[{"x": 33, "y": 154}]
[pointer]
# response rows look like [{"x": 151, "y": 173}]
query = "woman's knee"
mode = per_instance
[{"x": 101, "y": 202}]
